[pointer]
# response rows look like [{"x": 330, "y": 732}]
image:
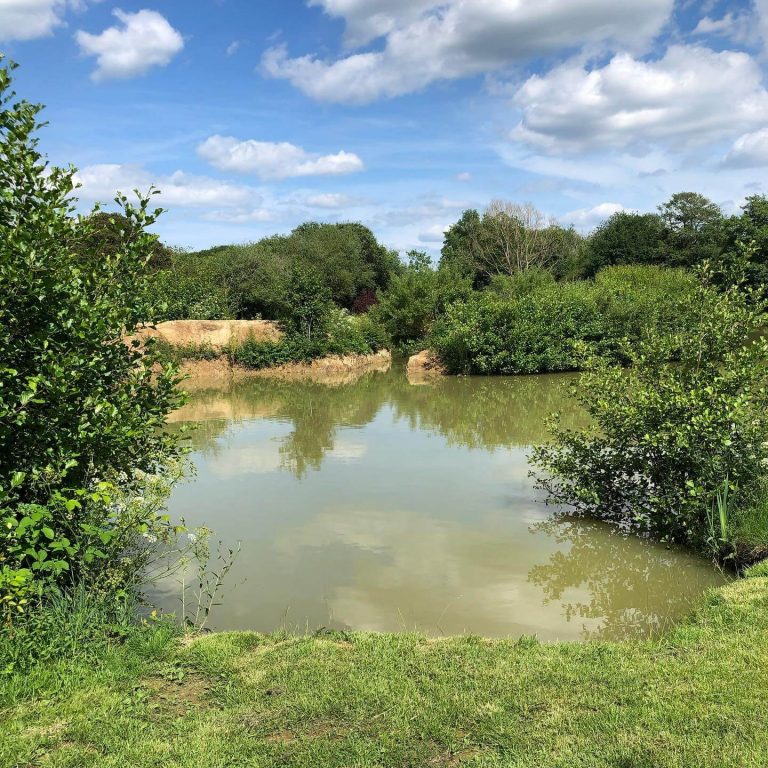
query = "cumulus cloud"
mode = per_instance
[
  {"x": 423, "y": 212},
  {"x": 588, "y": 218},
  {"x": 139, "y": 42},
  {"x": 270, "y": 160},
  {"x": 692, "y": 95},
  {"x": 28, "y": 19},
  {"x": 101, "y": 182},
  {"x": 431, "y": 41},
  {"x": 367, "y": 20},
  {"x": 749, "y": 151},
  {"x": 735, "y": 26}
]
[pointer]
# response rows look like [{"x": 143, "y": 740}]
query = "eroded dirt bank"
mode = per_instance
[
  {"x": 218, "y": 334},
  {"x": 223, "y": 335},
  {"x": 333, "y": 370},
  {"x": 424, "y": 367}
]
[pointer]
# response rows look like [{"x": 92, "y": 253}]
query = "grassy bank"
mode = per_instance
[{"x": 693, "y": 697}]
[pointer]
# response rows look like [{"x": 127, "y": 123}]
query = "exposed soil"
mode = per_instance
[
  {"x": 334, "y": 370},
  {"x": 218, "y": 334},
  {"x": 424, "y": 367}
]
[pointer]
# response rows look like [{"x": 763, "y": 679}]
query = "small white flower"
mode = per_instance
[{"x": 192, "y": 537}]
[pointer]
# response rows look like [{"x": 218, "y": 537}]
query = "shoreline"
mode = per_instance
[
  {"x": 693, "y": 695},
  {"x": 333, "y": 370}
]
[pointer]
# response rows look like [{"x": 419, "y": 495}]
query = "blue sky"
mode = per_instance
[{"x": 255, "y": 115}]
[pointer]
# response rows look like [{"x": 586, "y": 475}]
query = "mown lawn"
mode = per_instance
[{"x": 696, "y": 697}]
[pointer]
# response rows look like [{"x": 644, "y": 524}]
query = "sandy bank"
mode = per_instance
[
  {"x": 424, "y": 367},
  {"x": 219, "y": 334},
  {"x": 333, "y": 370}
]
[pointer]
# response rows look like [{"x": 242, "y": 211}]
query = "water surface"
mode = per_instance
[{"x": 381, "y": 505}]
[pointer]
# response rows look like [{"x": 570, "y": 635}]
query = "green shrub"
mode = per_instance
[
  {"x": 667, "y": 435},
  {"x": 267, "y": 354},
  {"x": 181, "y": 296},
  {"x": 177, "y": 353},
  {"x": 636, "y": 297},
  {"x": 530, "y": 324},
  {"x": 510, "y": 287},
  {"x": 344, "y": 334},
  {"x": 415, "y": 298},
  {"x": 374, "y": 335},
  {"x": 82, "y": 413},
  {"x": 531, "y": 334}
]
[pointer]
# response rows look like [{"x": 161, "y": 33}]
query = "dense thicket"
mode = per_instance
[
  {"x": 253, "y": 280},
  {"x": 82, "y": 412},
  {"x": 512, "y": 292},
  {"x": 679, "y": 439},
  {"x": 528, "y": 323}
]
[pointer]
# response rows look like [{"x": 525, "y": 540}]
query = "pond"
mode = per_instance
[{"x": 386, "y": 506}]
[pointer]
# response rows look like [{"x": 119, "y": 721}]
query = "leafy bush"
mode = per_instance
[
  {"x": 633, "y": 298},
  {"x": 344, "y": 334},
  {"x": 82, "y": 413},
  {"x": 667, "y": 436},
  {"x": 180, "y": 296},
  {"x": 530, "y": 324},
  {"x": 255, "y": 279},
  {"x": 177, "y": 353},
  {"x": 531, "y": 334},
  {"x": 267, "y": 354},
  {"x": 509, "y": 287},
  {"x": 309, "y": 304},
  {"x": 416, "y": 298}
]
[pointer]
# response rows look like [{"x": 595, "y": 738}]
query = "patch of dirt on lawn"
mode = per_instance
[{"x": 176, "y": 697}]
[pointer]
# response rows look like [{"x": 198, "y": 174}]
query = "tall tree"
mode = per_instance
[
  {"x": 694, "y": 229},
  {"x": 625, "y": 238}
]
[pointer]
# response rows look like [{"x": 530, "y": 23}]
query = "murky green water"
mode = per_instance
[{"x": 380, "y": 505}]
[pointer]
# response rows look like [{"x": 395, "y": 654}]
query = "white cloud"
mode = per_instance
[
  {"x": 28, "y": 19},
  {"x": 737, "y": 27},
  {"x": 423, "y": 212},
  {"x": 761, "y": 13},
  {"x": 434, "y": 234},
  {"x": 101, "y": 182},
  {"x": 465, "y": 176},
  {"x": 331, "y": 201},
  {"x": 367, "y": 20},
  {"x": 690, "y": 96},
  {"x": 233, "y": 48},
  {"x": 274, "y": 160},
  {"x": 142, "y": 40},
  {"x": 448, "y": 39},
  {"x": 588, "y": 218},
  {"x": 240, "y": 216},
  {"x": 749, "y": 151}
]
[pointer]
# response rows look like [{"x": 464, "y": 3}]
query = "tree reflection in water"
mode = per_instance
[
  {"x": 383, "y": 499},
  {"x": 636, "y": 586},
  {"x": 477, "y": 413}
]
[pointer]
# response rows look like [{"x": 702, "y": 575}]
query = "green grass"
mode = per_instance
[{"x": 695, "y": 697}]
